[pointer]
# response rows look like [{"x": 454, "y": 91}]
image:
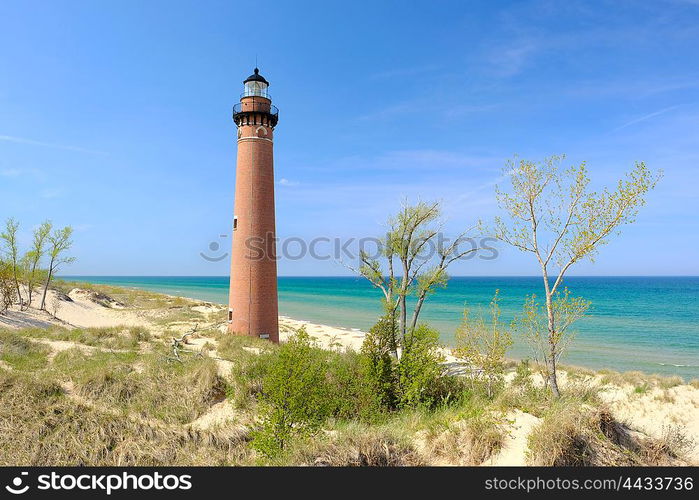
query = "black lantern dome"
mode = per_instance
[{"x": 256, "y": 77}]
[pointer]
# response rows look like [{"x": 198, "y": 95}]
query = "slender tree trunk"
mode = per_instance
[
  {"x": 403, "y": 319},
  {"x": 31, "y": 284},
  {"x": 46, "y": 286},
  {"x": 401, "y": 322},
  {"x": 416, "y": 312},
  {"x": 391, "y": 310},
  {"x": 403, "y": 316},
  {"x": 551, "y": 358},
  {"x": 19, "y": 292},
  {"x": 551, "y": 355}
]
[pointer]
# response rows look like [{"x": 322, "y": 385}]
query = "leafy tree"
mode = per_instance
[
  {"x": 484, "y": 345},
  {"x": 59, "y": 243},
  {"x": 32, "y": 259},
  {"x": 534, "y": 326},
  {"x": 7, "y": 286},
  {"x": 553, "y": 215},
  {"x": 407, "y": 271},
  {"x": 9, "y": 237}
]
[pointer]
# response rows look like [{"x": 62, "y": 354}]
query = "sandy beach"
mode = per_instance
[{"x": 651, "y": 411}]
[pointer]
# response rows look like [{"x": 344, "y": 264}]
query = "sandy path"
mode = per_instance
[
  {"x": 514, "y": 449},
  {"x": 219, "y": 415}
]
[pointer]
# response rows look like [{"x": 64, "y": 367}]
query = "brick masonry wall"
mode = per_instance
[{"x": 253, "y": 290}]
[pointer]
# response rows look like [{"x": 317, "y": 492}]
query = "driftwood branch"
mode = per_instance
[{"x": 178, "y": 344}]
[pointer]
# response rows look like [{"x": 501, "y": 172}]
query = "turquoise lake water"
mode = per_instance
[{"x": 635, "y": 323}]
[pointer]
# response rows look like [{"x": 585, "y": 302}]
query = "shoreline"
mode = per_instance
[{"x": 327, "y": 331}]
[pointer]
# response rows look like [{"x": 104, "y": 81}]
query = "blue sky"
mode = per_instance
[{"x": 115, "y": 118}]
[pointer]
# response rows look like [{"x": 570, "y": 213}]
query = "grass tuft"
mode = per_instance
[
  {"x": 20, "y": 353},
  {"x": 355, "y": 445},
  {"x": 41, "y": 425}
]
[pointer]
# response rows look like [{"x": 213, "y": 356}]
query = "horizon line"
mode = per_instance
[{"x": 361, "y": 277}]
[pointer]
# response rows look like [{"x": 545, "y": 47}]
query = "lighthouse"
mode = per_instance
[{"x": 252, "y": 303}]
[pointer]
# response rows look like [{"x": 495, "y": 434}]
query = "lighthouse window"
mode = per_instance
[
  {"x": 255, "y": 88},
  {"x": 235, "y": 223},
  {"x": 230, "y": 315}
]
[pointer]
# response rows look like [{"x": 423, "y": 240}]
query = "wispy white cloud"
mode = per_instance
[
  {"x": 475, "y": 197},
  {"x": 422, "y": 106},
  {"x": 392, "y": 110},
  {"x": 49, "y": 193},
  {"x": 647, "y": 117},
  {"x": 633, "y": 88},
  {"x": 467, "y": 109},
  {"x": 404, "y": 72},
  {"x": 11, "y": 172},
  {"x": 32, "y": 142},
  {"x": 512, "y": 59},
  {"x": 21, "y": 172},
  {"x": 289, "y": 183},
  {"x": 422, "y": 160}
]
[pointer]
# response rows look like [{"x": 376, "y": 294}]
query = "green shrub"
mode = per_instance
[
  {"x": 351, "y": 394},
  {"x": 378, "y": 364},
  {"x": 484, "y": 344},
  {"x": 523, "y": 374},
  {"x": 294, "y": 395},
  {"x": 416, "y": 380},
  {"x": 419, "y": 369}
]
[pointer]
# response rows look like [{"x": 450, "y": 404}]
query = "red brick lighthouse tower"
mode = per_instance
[{"x": 252, "y": 304}]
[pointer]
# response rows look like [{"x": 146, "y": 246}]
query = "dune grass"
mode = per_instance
[
  {"x": 639, "y": 379},
  {"x": 41, "y": 425},
  {"x": 144, "y": 384},
  {"x": 20, "y": 353},
  {"x": 116, "y": 337},
  {"x": 354, "y": 445}
]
